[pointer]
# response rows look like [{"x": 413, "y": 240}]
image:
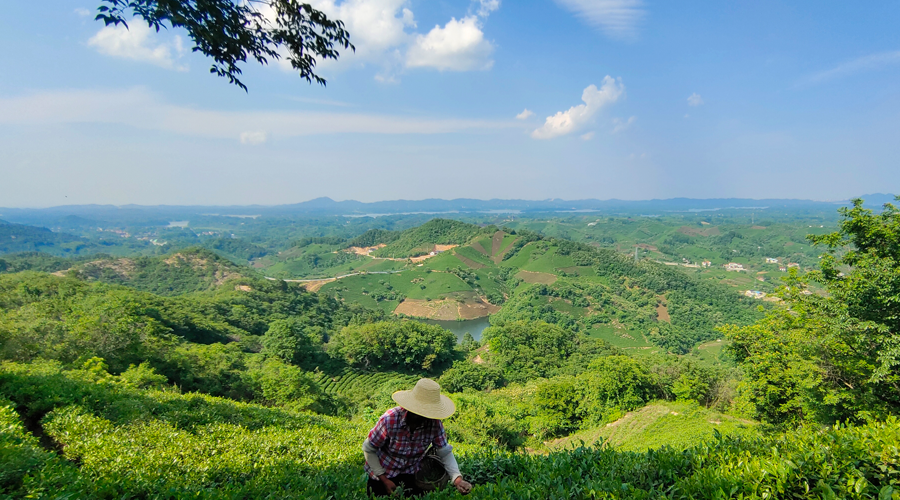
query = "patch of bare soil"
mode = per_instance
[
  {"x": 314, "y": 286},
  {"x": 477, "y": 246},
  {"x": 496, "y": 241},
  {"x": 498, "y": 257},
  {"x": 243, "y": 288},
  {"x": 757, "y": 227},
  {"x": 463, "y": 307},
  {"x": 533, "y": 277},
  {"x": 365, "y": 250},
  {"x": 476, "y": 309},
  {"x": 645, "y": 246},
  {"x": 434, "y": 309},
  {"x": 662, "y": 310},
  {"x": 469, "y": 262},
  {"x": 435, "y": 251}
]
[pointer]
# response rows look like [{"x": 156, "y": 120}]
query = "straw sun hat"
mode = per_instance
[{"x": 425, "y": 399}]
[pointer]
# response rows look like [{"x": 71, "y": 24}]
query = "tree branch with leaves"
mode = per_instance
[{"x": 233, "y": 31}]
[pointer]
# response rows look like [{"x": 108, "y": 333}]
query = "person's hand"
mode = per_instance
[
  {"x": 388, "y": 484},
  {"x": 462, "y": 485}
]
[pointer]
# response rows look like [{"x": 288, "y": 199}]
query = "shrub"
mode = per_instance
[
  {"x": 406, "y": 345},
  {"x": 468, "y": 375}
]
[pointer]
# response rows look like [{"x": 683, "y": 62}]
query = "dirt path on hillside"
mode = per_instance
[
  {"x": 498, "y": 258},
  {"x": 365, "y": 251},
  {"x": 496, "y": 241}
]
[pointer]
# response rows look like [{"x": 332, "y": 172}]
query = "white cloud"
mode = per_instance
[
  {"x": 384, "y": 34},
  {"x": 565, "y": 122},
  {"x": 485, "y": 7},
  {"x": 617, "y": 19},
  {"x": 253, "y": 138},
  {"x": 694, "y": 99},
  {"x": 143, "y": 110},
  {"x": 82, "y": 12},
  {"x": 588, "y": 136},
  {"x": 866, "y": 63},
  {"x": 458, "y": 46},
  {"x": 619, "y": 124},
  {"x": 376, "y": 27},
  {"x": 138, "y": 43},
  {"x": 524, "y": 115}
]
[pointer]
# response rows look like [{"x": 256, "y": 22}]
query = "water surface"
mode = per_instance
[{"x": 459, "y": 328}]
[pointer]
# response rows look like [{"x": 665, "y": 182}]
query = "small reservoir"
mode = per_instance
[{"x": 459, "y": 328}]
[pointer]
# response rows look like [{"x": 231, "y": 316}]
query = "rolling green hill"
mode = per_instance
[
  {"x": 421, "y": 240},
  {"x": 633, "y": 305},
  {"x": 190, "y": 270},
  {"x": 687, "y": 241},
  {"x": 21, "y": 238}
]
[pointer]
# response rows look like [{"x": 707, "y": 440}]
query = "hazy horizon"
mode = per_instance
[
  {"x": 866, "y": 197},
  {"x": 628, "y": 99}
]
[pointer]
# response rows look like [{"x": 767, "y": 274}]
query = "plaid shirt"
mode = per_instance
[{"x": 399, "y": 450}]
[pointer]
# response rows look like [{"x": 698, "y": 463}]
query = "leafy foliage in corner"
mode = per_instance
[
  {"x": 834, "y": 357},
  {"x": 231, "y": 32}
]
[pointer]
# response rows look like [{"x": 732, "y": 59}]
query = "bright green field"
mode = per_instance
[
  {"x": 532, "y": 258},
  {"x": 472, "y": 254},
  {"x": 615, "y": 337},
  {"x": 414, "y": 284}
]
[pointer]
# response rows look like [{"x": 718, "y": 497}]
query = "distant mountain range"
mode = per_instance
[{"x": 155, "y": 215}]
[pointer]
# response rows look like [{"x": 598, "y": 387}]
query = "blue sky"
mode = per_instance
[{"x": 629, "y": 99}]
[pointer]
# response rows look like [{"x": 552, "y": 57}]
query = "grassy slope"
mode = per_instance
[
  {"x": 678, "y": 425},
  {"x": 410, "y": 283}
]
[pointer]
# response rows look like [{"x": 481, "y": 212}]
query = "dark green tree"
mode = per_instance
[
  {"x": 406, "y": 345},
  {"x": 230, "y": 32},
  {"x": 291, "y": 341}
]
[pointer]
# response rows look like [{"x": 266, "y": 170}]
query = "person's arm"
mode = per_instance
[
  {"x": 372, "y": 458},
  {"x": 445, "y": 454},
  {"x": 375, "y": 465}
]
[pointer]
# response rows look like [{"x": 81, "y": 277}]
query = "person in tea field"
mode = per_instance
[{"x": 396, "y": 446}]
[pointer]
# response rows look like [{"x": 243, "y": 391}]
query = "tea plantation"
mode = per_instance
[{"x": 114, "y": 440}]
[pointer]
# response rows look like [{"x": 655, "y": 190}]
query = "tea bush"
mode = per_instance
[{"x": 119, "y": 441}]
